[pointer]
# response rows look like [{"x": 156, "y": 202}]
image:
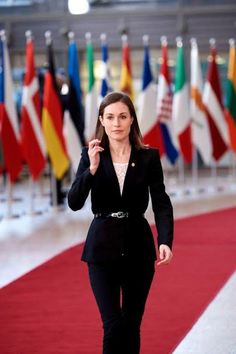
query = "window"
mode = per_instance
[{"x": 6, "y": 3}]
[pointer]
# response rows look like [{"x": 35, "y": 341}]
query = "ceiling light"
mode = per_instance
[{"x": 78, "y": 7}]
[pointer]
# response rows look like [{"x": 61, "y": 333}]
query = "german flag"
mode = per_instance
[{"x": 52, "y": 119}]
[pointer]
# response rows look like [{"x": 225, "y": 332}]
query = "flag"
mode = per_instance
[
  {"x": 52, "y": 120},
  {"x": 9, "y": 127},
  {"x": 149, "y": 125},
  {"x": 91, "y": 104},
  {"x": 105, "y": 85},
  {"x": 215, "y": 112},
  {"x": 200, "y": 129},
  {"x": 164, "y": 106},
  {"x": 32, "y": 139},
  {"x": 180, "y": 110},
  {"x": 74, "y": 115},
  {"x": 126, "y": 85},
  {"x": 230, "y": 109}
]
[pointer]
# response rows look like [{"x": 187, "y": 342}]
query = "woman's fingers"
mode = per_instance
[
  {"x": 93, "y": 152},
  {"x": 93, "y": 143},
  {"x": 165, "y": 255}
]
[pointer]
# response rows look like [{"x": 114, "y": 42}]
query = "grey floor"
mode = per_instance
[{"x": 35, "y": 232}]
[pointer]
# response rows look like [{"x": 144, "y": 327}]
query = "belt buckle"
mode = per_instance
[{"x": 119, "y": 215}]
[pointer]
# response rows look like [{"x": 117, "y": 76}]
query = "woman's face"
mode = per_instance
[{"x": 117, "y": 121}]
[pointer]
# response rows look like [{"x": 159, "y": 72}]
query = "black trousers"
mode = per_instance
[{"x": 121, "y": 289}]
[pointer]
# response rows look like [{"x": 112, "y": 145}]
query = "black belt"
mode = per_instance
[{"x": 118, "y": 214}]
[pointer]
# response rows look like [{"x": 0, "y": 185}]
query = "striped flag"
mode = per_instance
[
  {"x": 181, "y": 113},
  {"x": 32, "y": 139},
  {"x": 200, "y": 129},
  {"x": 91, "y": 104},
  {"x": 52, "y": 118},
  {"x": 74, "y": 114},
  {"x": 9, "y": 128},
  {"x": 214, "y": 107},
  {"x": 230, "y": 109},
  {"x": 126, "y": 84},
  {"x": 105, "y": 85},
  {"x": 149, "y": 125},
  {"x": 164, "y": 105}
]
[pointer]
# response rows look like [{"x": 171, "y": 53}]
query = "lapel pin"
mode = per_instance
[{"x": 132, "y": 164}]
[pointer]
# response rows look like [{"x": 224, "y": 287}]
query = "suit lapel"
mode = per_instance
[
  {"x": 110, "y": 170},
  {"x": 131, "y": 171}
]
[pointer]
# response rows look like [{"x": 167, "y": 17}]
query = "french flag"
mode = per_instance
[{"x": 149, "y": 124}]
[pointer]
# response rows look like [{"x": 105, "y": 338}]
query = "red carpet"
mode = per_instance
[{"x": 51, "y": 310}]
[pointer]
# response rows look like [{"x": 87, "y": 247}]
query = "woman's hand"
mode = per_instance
[
  {"x": 165, "y": 255},
  {"x": 94, "y": 157}
]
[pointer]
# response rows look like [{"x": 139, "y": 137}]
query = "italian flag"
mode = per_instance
[
  {"x": 181, "y": 114},
  {"x": 230, "y": 109},
  {"x": 91, "y": 108}
]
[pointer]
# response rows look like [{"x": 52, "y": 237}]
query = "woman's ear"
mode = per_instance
[{"x": 101, "y": 120}]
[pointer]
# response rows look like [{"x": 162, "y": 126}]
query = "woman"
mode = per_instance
[{"x": 120, "y": 171}]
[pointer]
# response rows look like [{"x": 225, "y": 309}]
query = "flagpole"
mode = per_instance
[
  {"x": 193, "y": 43},
  {"x": 233, "y": 174},
  {"x": 103, "y": 40},
  {"x": 179, "y": 44},
  {"x": 29, "y": 36},
  {"x": 71, "y": 37},
  {"x": 9, "y": 198},
  {"x": 31, "y": 189},
  {"x": 212, "y": 43},
  {"x": 181, "y": 170},
  {"x": 233, "y": 154},
  {"x": 195, "y": 169},
  {"x": 48, "y": 40},
  {"x": 124, "y": 40}
]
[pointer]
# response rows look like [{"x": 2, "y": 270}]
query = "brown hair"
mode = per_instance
[{"x": 135, "y": 135}]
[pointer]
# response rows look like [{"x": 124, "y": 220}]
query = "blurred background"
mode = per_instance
[{"x": 58, "y": 58}]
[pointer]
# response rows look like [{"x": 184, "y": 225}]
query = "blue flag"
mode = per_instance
[{"x": 105, "y": 85}]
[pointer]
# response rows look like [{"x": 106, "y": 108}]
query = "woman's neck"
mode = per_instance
[{"x": 120, "y": 152}]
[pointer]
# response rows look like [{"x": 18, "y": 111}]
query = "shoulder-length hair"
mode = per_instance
[{"x": 135, "y": 135}]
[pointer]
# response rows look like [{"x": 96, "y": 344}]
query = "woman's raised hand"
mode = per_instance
[{"x": 94, "y": 155}]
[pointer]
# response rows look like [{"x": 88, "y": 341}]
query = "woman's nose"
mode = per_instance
[{"x": 116, "y": 121}]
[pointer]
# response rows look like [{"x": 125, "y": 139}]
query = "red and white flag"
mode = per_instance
[
  {"x": 9, "y": 128},
  {"x": 32, "y": 140},
  {"x": 212, "y": 99}
]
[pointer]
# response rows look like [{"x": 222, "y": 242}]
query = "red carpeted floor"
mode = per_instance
[{"x": 51, "y": 310}]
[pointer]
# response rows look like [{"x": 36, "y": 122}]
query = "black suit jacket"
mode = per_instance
[{"x": 110, "y": 238}]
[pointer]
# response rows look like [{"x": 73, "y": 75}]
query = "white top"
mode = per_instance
[{"x": 120, "y": 169}]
